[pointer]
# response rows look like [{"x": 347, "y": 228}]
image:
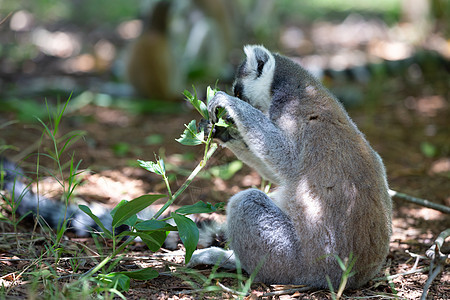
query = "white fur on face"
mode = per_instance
[{"x": 257, "y": 89}]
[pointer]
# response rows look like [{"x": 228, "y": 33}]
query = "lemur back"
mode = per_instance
[{"x": 332, "y": 198}]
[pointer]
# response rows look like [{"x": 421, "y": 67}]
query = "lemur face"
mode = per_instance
[{"x": 254, "y": 78}]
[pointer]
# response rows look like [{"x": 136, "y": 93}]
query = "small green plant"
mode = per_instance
[
  {"x": 202, "y": 284},
  {"x": 346, "y": 266},
  {"x": 60, "y": 143},
  {"x": 153, "y": 232},
  {"x": 101, "y": 280},
  {"x": 12, "y": 203}
]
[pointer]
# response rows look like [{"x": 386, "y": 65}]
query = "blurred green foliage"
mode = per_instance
[
  {"x": 389, "y": 10},
  {"x": 75, "y": 11},
  {"x": 88, "y": 13}
]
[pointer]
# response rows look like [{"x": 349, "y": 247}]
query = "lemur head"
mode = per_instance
[
  {"x": 254, "y": 77},
  {"x": 265, "y": 77}
]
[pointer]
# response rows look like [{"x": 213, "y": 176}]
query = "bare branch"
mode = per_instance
[
  {"x": 390, "y": 277},
  {"x": 231, "y": 291},
  {"x": 287, "y": 291},
  {"x": 419, "y": 201},
  {"x": 438, "y": 260},
  {"x": 436, "y": 247}
]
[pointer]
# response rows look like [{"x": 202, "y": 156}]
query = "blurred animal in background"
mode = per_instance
[
  {"x": 150, "y": 64},
  {"x": 189, "y": 41},
  {"x": 180, "y": 40}
]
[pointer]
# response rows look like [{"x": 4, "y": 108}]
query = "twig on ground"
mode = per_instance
[
  {"x": 419, "y": 201},
  {"x": 435, "y": 249},
  {"x": 438, "y": 263},
  {"x": 418, "y": 257},
  {"x": 438, "y": 260},
  {"x": 287, "y": 291},
  {"x": 51, "y": 258},
  {"x": 390, "y": 277},
  {"x": 231, "y": 291}
]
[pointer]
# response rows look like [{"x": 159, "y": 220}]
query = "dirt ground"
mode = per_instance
[
  {"x": 405, "y": 116},
  {"x": 395, "y": 130}
]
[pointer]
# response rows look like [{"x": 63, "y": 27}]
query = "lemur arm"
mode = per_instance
[
  {"x": 232, "y": 139},
  {"x": 266, "y": 141},
  {"x": 244, "y": 153}
]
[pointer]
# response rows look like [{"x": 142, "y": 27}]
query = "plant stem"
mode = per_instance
[
  {"x": 208, "y": 143},
  {"x": 210, "y": 148},
  {"x": 188, "y": 181},
  {"x": 166, "y": 181},
  {"x": 108, "y": 258}
]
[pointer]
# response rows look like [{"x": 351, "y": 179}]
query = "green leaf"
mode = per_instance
[
  {"x": 133, "y": 207},
  {"x": 198, "y": 208},
  {"x": 226, "y": 171},
  {"x": 115, "y": 280},
  {"x": 221, "y": 111},
  {"x": 210, "y": 93},
  {"x": 222, "y": 123},
  {"x": 154, "y": 139},
  {"x": 97, "y": 221},
  {"x": 131, "y": 221},
  {"x": 197, "y": 103},
  {"x": 340, "y": 262},
  {"x": 142, "y": 274},
  {"x": 155, "y": 225},
  {"x": 121, "y": 148},
  {"x": 191, "y": 136},
  {"x": 188, "y": 232},
  {"x": 428, "y": 149},
  {"x": 153, "y": 240},
  {"x": 121, "y": 280},
  {"x": 157, "y": 168}
]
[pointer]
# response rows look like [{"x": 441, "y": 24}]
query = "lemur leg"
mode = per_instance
[{"x": 262, "y": 234}]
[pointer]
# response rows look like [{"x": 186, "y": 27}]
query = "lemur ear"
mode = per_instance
[{"x": 257, "y": 58}]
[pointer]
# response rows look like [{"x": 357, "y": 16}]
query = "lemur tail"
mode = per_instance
[
  {"x": 53, "y": 212},
  {"x": 49, "y": 210}
]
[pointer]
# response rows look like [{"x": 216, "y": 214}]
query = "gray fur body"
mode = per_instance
[{"x": 332, "y": 197}]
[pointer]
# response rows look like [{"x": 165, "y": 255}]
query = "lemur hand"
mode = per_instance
[
  {"x": 224, "y": 134},
  {"x": 220, "y": 100}
]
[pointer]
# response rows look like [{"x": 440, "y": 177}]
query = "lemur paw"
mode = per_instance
[
  {"x": 220, "y": 100},
  {"x": 223, "y": 134},
  {"x": 213, "y": 256},
  {"x": 206, "y": 126}
]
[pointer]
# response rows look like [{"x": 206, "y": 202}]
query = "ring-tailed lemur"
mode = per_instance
[
  {"x": 332, "y": 200},
  {"x": 53, "y": 212}
]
